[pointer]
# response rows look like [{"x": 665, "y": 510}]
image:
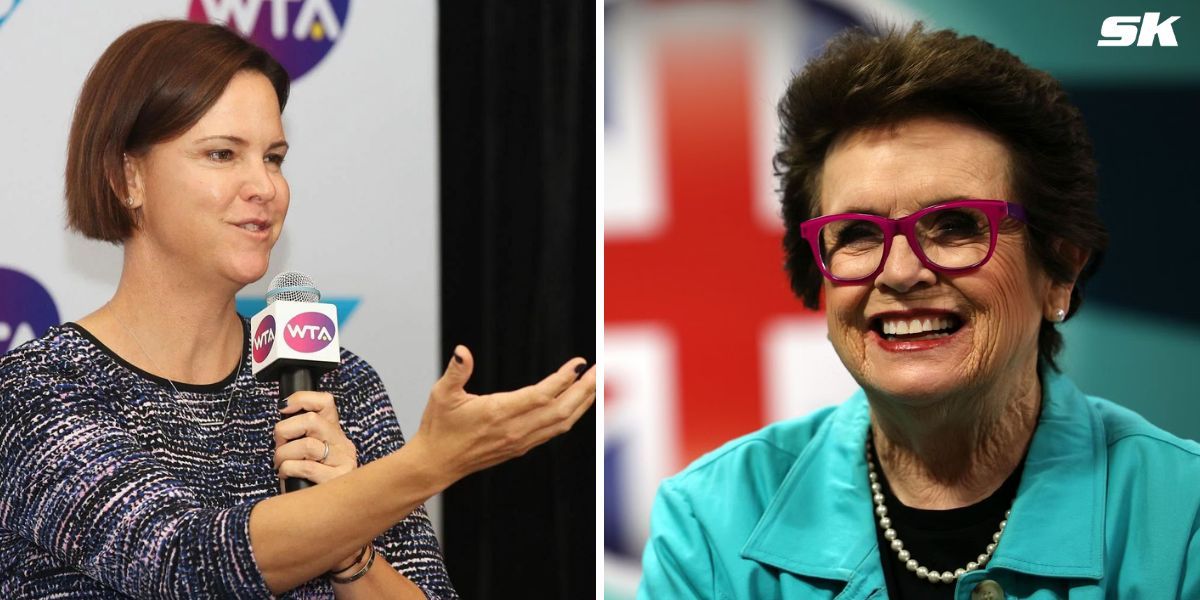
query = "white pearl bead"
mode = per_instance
[
  {"x": 876, "y": 488},
  {"x": 881, "y": 510},
  {"x": 1003, "y": 524},
  {"x": 885, "y": 523},
  {"x": 878, "y": 498},
  {"x": 910, "y": 564},
  {"x": 959, "y": 573},
  {"x": 889, "y": 534},
  {"x": 897, "y": 545},
  {"x": 922, "y": 572},
  {"x": 934, "y": 577},
  {"x": 991, "y": 548},
  {"x": 982, "y": 559},
  {"x": 903, "y": 555},
  {"x": 872, "y": 475},
  {"x": 971, "y": 566},
  {"x": 996, "y": 537},
  {"x": 1007, "y": 513}
]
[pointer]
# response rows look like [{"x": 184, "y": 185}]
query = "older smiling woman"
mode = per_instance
[{"x": 941, "y": 194}]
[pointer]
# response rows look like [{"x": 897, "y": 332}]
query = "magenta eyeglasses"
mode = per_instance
[{"x": 950, "y": 237}]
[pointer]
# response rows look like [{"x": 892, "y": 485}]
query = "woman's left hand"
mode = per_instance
[
  {"x": 300, "y": 443},
  {"x": 300, "y": 439}
]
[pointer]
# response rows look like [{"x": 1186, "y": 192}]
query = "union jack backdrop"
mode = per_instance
[{"x": 704, "y": 340}]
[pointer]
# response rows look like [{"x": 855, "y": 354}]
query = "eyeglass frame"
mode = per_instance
[{"x": 994, "y": 210}]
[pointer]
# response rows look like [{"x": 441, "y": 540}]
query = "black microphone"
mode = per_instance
[{"x": 295, "y": 340}]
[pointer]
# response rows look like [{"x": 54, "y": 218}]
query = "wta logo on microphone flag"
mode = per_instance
[
  {"x": 308, "y": 332},
  {"x": 264, "y": 338},
  {"x": 299, "y": 34}
]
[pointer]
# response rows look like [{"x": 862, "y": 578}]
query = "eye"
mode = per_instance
[
  {"x": 277, "y": 159},
  {"x": 857, "y": 232},
  {"x": 221, "y": 155}
]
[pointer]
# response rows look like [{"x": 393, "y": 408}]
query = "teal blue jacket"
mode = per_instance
[{"x": 1108, "y": 507}]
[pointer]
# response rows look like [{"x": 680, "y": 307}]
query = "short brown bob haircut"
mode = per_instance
[
  {"x": 152, "y": 84},
  {"x": 872, "y": 79}
]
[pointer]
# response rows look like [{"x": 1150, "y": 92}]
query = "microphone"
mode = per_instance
[{"x": 295, "y": 340}]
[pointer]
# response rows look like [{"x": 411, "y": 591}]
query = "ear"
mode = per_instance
[
  {"x": 1058, "y": 296},
  {"x": 132, "y": 167}
]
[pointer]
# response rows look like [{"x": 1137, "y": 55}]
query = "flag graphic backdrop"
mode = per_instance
[{"x": 703, "y": 339}]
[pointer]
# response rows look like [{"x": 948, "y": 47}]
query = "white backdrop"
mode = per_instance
[{"x": 362, "y": 125}]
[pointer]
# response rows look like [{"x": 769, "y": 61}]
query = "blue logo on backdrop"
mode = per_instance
[
  {"x": 250, "y": 305},
  {"x": 26, "y": 309},
  {"x": 6, "y": 8}
]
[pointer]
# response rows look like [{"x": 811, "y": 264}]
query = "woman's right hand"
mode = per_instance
[{"x": 464, "y": 432}]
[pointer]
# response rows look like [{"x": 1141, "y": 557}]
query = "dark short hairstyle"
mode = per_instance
[
  {"x": 871, "y": 79},
  {"x": 152, "y": 84}
]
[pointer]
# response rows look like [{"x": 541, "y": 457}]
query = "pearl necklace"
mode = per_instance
[{"x": 897, "y": 545}]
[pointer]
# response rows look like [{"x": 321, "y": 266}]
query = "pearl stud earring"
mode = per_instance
[{"x": 1060, "y": 315}]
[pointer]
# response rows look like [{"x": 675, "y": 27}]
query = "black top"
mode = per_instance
[
  {"x": 941, "y": 540},
  {"x": 112, "y": 486}
]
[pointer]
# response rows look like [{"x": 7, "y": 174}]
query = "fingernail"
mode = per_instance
[
  {"x": 580, "y": 369},
  {"x": 458, "y": 359}
]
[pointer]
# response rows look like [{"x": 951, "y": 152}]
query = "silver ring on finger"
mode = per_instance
[{"x": 326, "y": 454}]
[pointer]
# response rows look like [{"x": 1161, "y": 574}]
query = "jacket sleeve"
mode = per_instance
[
  {"x": 676, "y": 562},
  {"x": 410, "y": 546},
  {"x": 1191, "y": 566},
  {"x": 78, "y": 485}
]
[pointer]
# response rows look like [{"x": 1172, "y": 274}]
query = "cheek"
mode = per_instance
[
  {"x": 1009, "y": 297},
  {"x": 843, "y": 310},
  {"x": 283, "y": 195}
]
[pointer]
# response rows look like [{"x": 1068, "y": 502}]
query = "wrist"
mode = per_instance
[
  {"x": 355, "y": 558},
  {"x": 424, "y": 464},
  {"x": 355, "y": 572}
]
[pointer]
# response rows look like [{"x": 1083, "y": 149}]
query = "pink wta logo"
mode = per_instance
[
  {"x": 264, "y": 338},
  {"x": 298, "y": 33},
  {"x": 309, "y": 332}
]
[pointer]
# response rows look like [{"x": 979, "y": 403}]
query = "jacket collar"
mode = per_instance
[{"x": 820, "y": 523}]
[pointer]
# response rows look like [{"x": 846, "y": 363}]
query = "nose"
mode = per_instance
[
  {"x": 260, "y": 184},
  {"x": 903, "y": 269}
]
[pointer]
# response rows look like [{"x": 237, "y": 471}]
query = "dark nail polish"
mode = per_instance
[
  {"x": 580, "y": 369},
  {"x": 458, "y": 359}
]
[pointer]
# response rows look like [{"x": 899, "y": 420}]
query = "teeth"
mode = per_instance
[
  {"x": 251, "y": 227},
  {"x": 915, "y": 326}
]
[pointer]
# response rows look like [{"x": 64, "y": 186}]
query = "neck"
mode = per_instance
[
  {"x": 959, "y": 450},
  {"x": 170, "y": 324}
]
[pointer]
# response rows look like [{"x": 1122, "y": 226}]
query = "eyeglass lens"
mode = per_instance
[{"x": 951, "y": 238}]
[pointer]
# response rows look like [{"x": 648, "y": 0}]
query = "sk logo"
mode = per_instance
[{"x": 1121, "y": 31}]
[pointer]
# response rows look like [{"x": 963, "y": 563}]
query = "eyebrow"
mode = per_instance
[
  {"x": 924, "y": 204},
  {"x": 241, "y": 142}
]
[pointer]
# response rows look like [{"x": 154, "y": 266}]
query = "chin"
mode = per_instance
[
  {"x": 914, "y": 385},
  {"x": 248, "y": 271}
]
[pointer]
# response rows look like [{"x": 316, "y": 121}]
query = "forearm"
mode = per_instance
[
  {"x": 381, "y": 581},
  {"x": 298, "y": 536}
]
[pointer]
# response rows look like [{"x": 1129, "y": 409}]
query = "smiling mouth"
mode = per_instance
[{"x": 927, "y": 327}]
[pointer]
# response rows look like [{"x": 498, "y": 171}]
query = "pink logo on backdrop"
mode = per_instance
[
  {"x": 264, "y": 338},
  {"x": 309, "y": 332},
  {"x": 298, "y": 33}
]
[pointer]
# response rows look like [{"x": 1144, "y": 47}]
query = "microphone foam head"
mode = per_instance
[{"x": 294, "y": 287}]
